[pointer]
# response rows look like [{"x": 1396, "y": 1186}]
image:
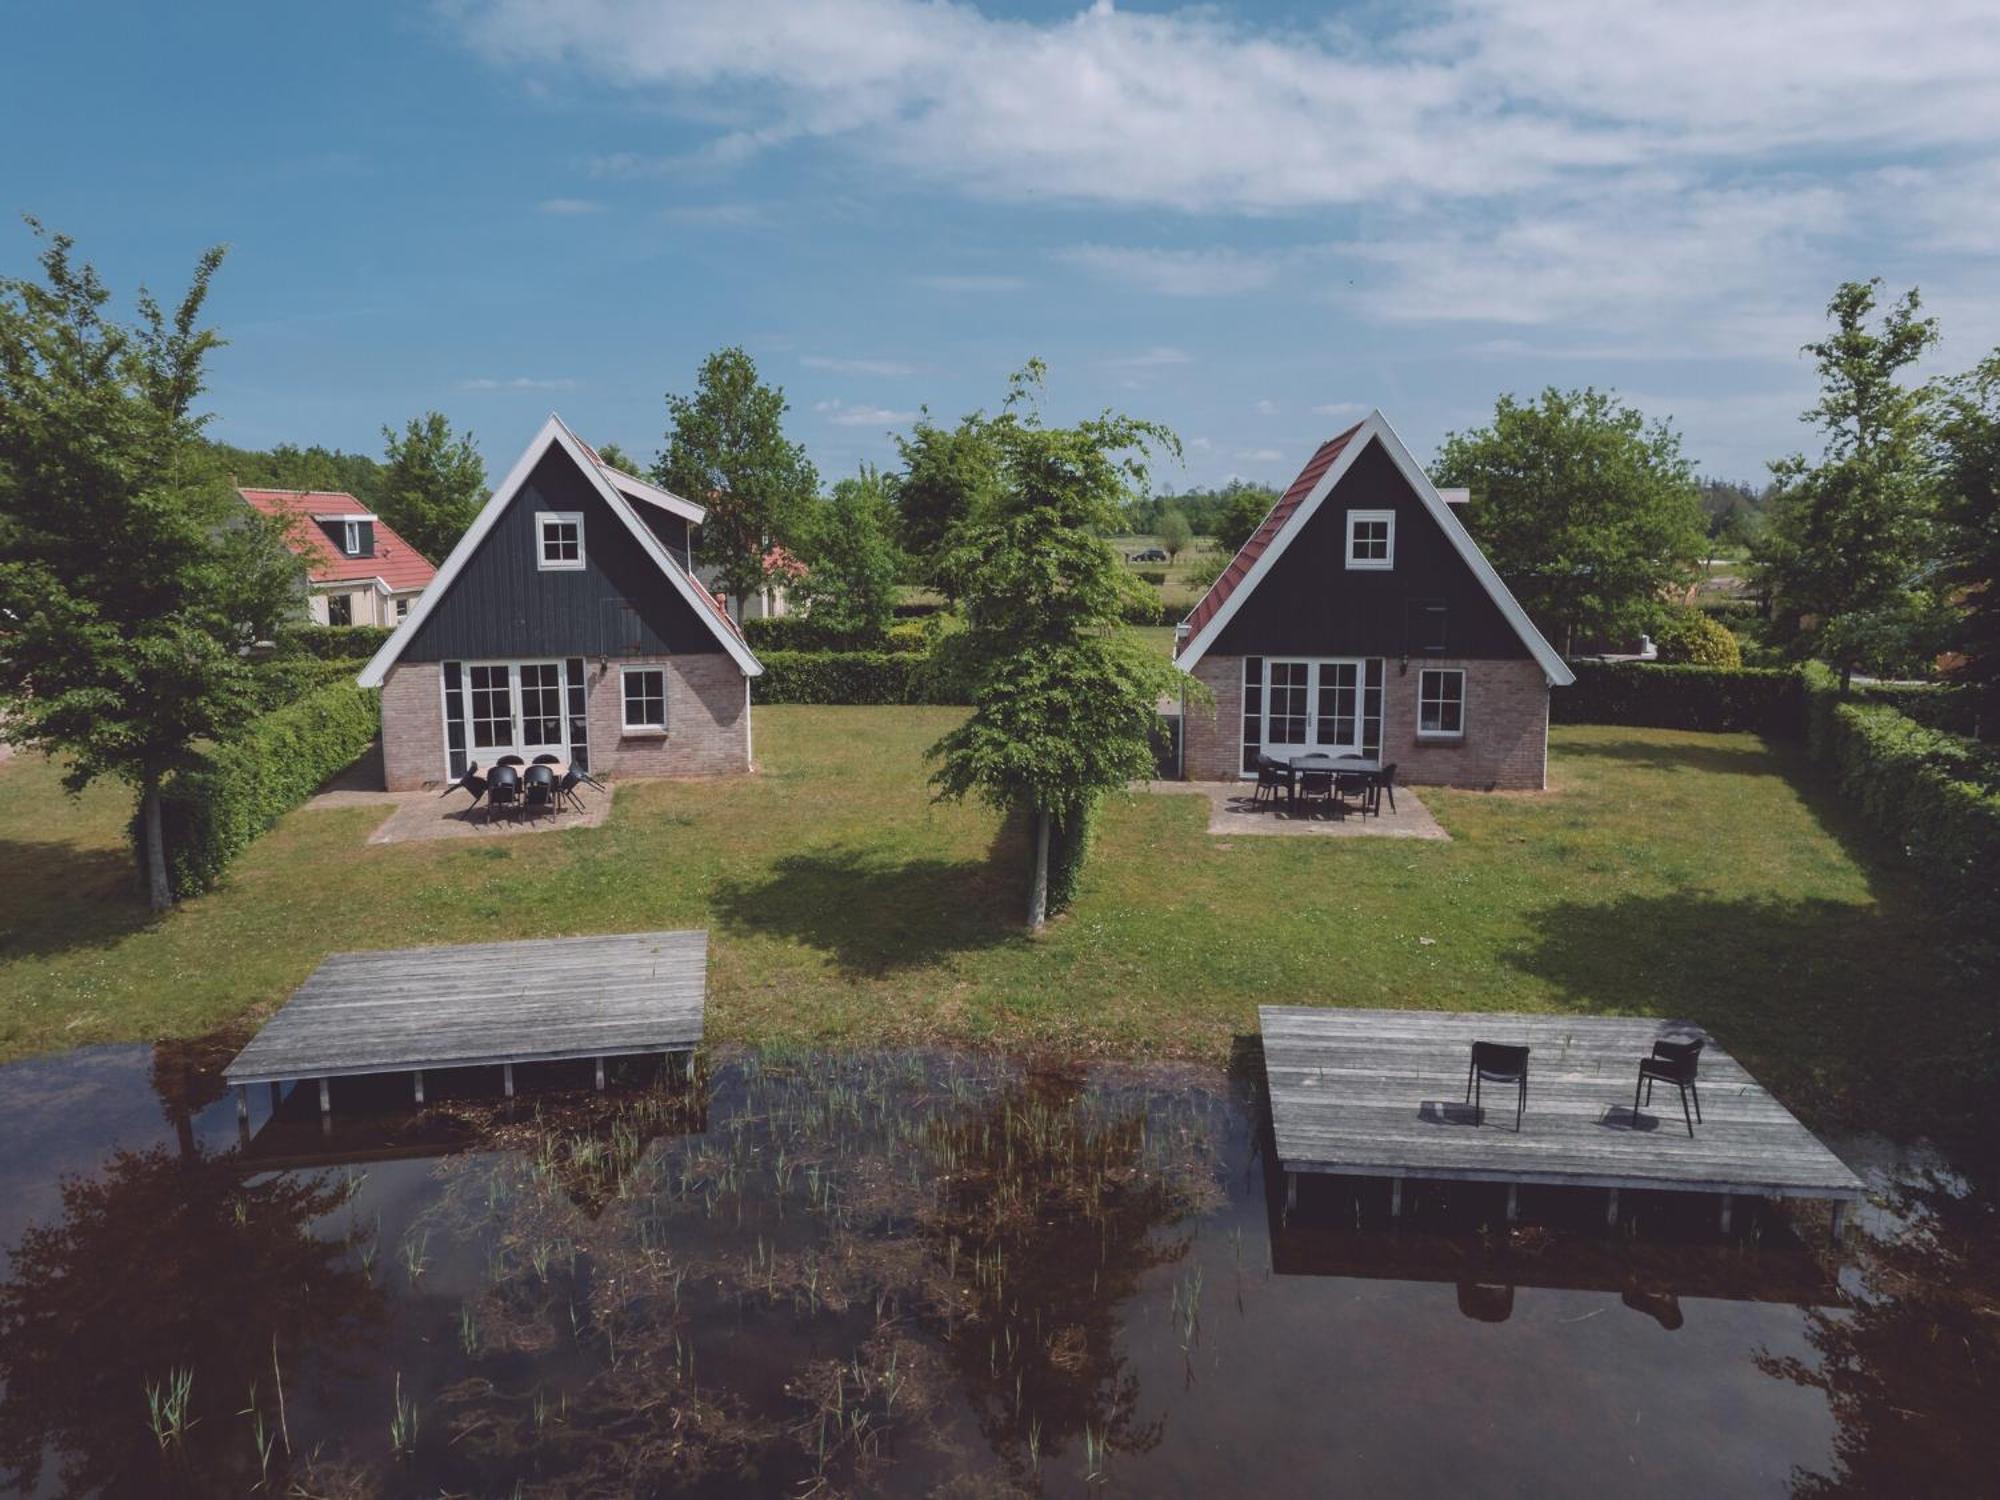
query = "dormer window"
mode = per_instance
[
  {"x": 1371, "y": 539},
  {"x": 559, "y": 540},
  {"x": 350, "y": 538}
]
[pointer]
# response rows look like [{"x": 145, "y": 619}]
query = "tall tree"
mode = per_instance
[
  {"x": 852, "y": 583},
  {"x": 1175, "y": 533},
  {"x": 434, "y": 486},
  {"x": 950, "y": 475},
  {"x": 131, "y": 577},
  {"x": 1848, "y": 538},
  {"x": 1590, "y": 514},
  {"x": 1064, "y": 698},
  {"x": 618, "y": 458},
  {"x": 1970, "y": 433},
  {"x": 726, "y": 449},
  {"x": 290, "y": 467},
  {"x": 1247, "y": 507}
]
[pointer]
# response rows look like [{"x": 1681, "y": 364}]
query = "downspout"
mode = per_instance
[{"x": 1180, "y": 740}]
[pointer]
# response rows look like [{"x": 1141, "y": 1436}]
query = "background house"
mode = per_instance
[
  {"x": 566, "y": 621},
  {"x": 359, "y": 572},
  {"x": 1361, "y": 618}
]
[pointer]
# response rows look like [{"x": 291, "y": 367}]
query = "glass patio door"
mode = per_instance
[
  {"x": 515, "y": 708},
  {"x": 1332, "y": 706}
]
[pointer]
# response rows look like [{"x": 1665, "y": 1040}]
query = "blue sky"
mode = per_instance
[{"x": 1248, "y": 221}]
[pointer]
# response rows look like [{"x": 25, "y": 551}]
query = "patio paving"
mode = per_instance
[
  {"x": 415, "y": 816},
  {"x": 1231, "y": 811}
]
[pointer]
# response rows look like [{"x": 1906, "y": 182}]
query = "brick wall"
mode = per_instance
[
  {"x": 708, "y": 721},
  {"x": 1506, "y": 726}
]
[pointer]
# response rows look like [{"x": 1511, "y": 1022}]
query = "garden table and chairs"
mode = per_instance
[{"x": 1316, "y": 775}]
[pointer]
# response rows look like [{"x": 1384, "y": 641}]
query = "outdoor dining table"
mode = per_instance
[{"x": 1319, "y": 760}]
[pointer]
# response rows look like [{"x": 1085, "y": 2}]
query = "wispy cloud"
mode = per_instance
[
  {"x": 1264, "y": 406},
  {"x": 842, "y": 366},
  {"x": 1160, "y": 357},
  {"x": 1340, "y": 409},
  {"x": 841, "y": 414},
  {"x": 517, "y": 383},
  {"x": 1176, "y": 273},
  {"x": 569, "y": 207},
  {"x": 720, "y": 215},
  {"x": 973, "y": 283},
  {"x": 1258, "y": 455}
]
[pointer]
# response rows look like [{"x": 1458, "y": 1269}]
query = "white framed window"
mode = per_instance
[
  {"x": 1371, "y": 539},
  {"x": 645, "y": 694},
  {"x": 350, "y": 538},
  {"x": 515, "y": 708},
  {"x": 559, "y": 540},
  {"x": 1330, "y": 705},
  {"x": 1441, "y": 703},
  {"x": 402, "y": 610},
  {"x": 340, "y": 609}
]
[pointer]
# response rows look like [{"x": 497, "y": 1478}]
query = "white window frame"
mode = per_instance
[
  {"x": 350, "y": 538},
  {"x": 401, "y": 607},
  {"x": 1388, "y": 520},
  {"x": 1317, "y": 670},
  {"x": 1446, "y": 735},
  {"x": 625, "y": 725},
  {"x": 543, "y": 520},
  {"x": 486, "y": 755}
]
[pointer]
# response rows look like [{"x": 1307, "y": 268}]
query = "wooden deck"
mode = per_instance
[
  {"x": 484, "y": 1005},
  {"x": 1375, "y": 1093}
]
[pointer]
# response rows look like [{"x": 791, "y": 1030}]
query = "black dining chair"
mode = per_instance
[
  {"x": 1269, "y": 779},
  {"x": 566, "y": 793},
  {"x": 1675, "y": 1063},
  {"x": 1359, "y": 784},
  {"x": 510, "y": 760},
  {"x": 471, "y": 782},
  {"x": 1495, "y": 1062},
  {"x": 538, "y": 788},
  {"x": 1385, "y": 781},
  {"x": 503, "y": 790},
  {"x": 547, "y": 759},
  {"x": 1316, "y": 786}
]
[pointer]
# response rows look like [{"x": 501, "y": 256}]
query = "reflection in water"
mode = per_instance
[{"x": 924, "y": 1274}]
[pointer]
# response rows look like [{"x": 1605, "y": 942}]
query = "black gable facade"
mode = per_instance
[
  {"x": 504, "y": 604},
  {"x": 1428, "y": 604}
]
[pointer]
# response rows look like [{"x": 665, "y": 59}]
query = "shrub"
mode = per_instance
[
  {"x": 848, "y": 677},
  {"x": 803, "y": 633},
  {"x": 1935, "y": 794},
  {"x": 1069, "y": 846},
  {"x": 1692, "y": 637},
  {"x": 1934, "y": 704},
  {"x": 917, "y": 609},
  {"x": 210, "y": 812},
  {"x": 1763, "y": 700},
  {"x": 286, "y": 679},
  {"x": 333, "y": 642},
  {"x": 1154, "y": 576},
  {"x": 1154, "y": 612}
]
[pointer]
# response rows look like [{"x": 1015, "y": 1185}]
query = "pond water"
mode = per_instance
[{"x": 924, "y": 1274}]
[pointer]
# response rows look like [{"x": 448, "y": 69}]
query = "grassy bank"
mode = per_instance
[{"x": 1667, "y": 873}]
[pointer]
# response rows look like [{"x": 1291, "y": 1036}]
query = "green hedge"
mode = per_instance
[
  {"x": 1764, "y": 700},
  {"x": 1154, "y": 576},
  {"x": 333, "y": 642},
  {"x": 803, "y": 633},
  {"x": 1936, "y": 705},
  {"x": 1155, "y": 612},
  {"x": 286, "y": 679},
  {"x": 866, "y": 677},
  {"x": 1931, "y": 792},
  {"x": 209, "y": 814}
]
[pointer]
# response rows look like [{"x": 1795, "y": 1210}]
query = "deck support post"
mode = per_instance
[
  {"x": 600, "y": 1075},
  {"x": 1513, "y": 1202},
  {"x": 1727, "y": 1200},
  {"x": 243, "y": 1103},
  {"x": 325, "y": 1097},
  {"x": 507, "y": 1079},
  {"x": 418, "y": 1078},
  {"x": 1839, "y": 1219},
  {"x": 1291, "y": 1192},
  {"x": 1611, "y": 1209},
  {"x": 1395, "y": 1197},
  {"x": 277, "y": 1094}
]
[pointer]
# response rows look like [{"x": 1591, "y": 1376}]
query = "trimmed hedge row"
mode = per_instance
[
  {"x": 1763, "y": 700},
  {"x": 1932, "y": 792},
  {"x": 210, "y": 813},
  {"x": 803, "y": 633},
  {"x": 286, "y": 679},
  {"x": 1155, "y": 612},
  {"x": 1934, "y": 704},
  {"x": 333, "y": 642},
  {"x": 863, "y": 677}
]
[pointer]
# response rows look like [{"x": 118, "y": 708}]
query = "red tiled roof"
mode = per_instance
[
  {"x": 395, "y": 562},
  {"x": 1266, "y": 532}
]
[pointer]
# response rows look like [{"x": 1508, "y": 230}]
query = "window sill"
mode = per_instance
[
  {"x": 1437, "y": 737},
  {"x": 642, "y": 732},
  {"x": 561, "y": 567}
]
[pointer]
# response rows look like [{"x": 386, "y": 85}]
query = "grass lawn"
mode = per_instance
[{"x": 1667, "y": 873}]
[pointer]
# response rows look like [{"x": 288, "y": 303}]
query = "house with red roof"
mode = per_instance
[
  {"x": 1361, "y": 619},
  {"x": 358, "y": 571},
  {"x": 567, "y": 621}
]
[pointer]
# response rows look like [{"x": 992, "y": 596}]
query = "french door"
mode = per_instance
[
  {"x": 515, "y": 708},
  {"x": 1299, "y": 705}
]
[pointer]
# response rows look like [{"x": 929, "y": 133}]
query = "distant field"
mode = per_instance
[{"x": 1180, "y": 587}]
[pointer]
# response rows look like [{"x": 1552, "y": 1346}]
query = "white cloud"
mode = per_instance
[
  {"x": 973, "y": 283},
  {"x": 885, "y": 367},
  {"x": 1159, "y": 357},
  {"x": 719, "y": 215},
  {"x": 1341, "y": 409},
  {"x": 1264, "y": 406},
  {"x": 517, "y": 383},
  {"x": 1258, "y": 455},
  {"x": 842, "y": 414},
  {"x": 1176, "y": 273},
  {"x": 569, "y": 207}
]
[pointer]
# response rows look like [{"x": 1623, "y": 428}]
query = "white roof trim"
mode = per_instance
[
  {"x": 552, "y": 433},
  {"x": 637, "y": 489},
  {"x": 1375, "y": 425},
  {"x": 345, "y": 515}
]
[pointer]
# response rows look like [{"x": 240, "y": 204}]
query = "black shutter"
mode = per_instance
[
  {"x": 454, "y": 721},
  {"x": 579, "y": 714}
]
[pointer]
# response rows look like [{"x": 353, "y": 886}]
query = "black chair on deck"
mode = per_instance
[
  {"x": 1385, "y": 781},
  {"x": 566, "y": 793},
  {"x": 1675, "y": 1063},
  {"x": 1269, "y": 778},
  {"x": 471, "y": 782},
  {"x": 510, "y": 760},
  {"x": 1494, "y": 1062},
  {"x": 1360, "y": 783},
  {"x": 1315, "y": 786},
  {"x": 503, "y": 790},
  {"x": 547, "y": 759},
  {"x": 538, "y": 788}
]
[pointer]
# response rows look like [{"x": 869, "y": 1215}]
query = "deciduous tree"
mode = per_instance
[
  {"x": 950, "y": 474},
  {"x": 1064, "y": 697},
  {"x": 854, "y": 563},
  {"x": 727, "y": 450},
  {"x": 131, "y": 576},
  {"x": 434, "y": 486},
  {"x": 1970, "y": 432},
  {"x": 1175, "y": 533},
  {"x": 1589, "y": 513}
]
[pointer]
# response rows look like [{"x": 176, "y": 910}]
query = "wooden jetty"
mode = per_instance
[
  {"x": 1380, "y": 1093},
  {"x": 411, "y": 1010}
]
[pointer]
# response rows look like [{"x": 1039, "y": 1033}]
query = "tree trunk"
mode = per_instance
[
  {"x": 158, "y": 891},
  {"x": 1038, "y": 890},
  {"x": 1846, "y": 679}
]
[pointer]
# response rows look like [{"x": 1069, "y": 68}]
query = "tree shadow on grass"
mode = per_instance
[
  {"x": 877, "y": 912},
  {"x": 56, "y": 896},
  {"x": 1656, "y": 755},
  {"x": 1852, "y": 1014}
]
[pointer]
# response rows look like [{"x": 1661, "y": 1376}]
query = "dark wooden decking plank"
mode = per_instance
[{"x": 1380, "y": 1093}]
